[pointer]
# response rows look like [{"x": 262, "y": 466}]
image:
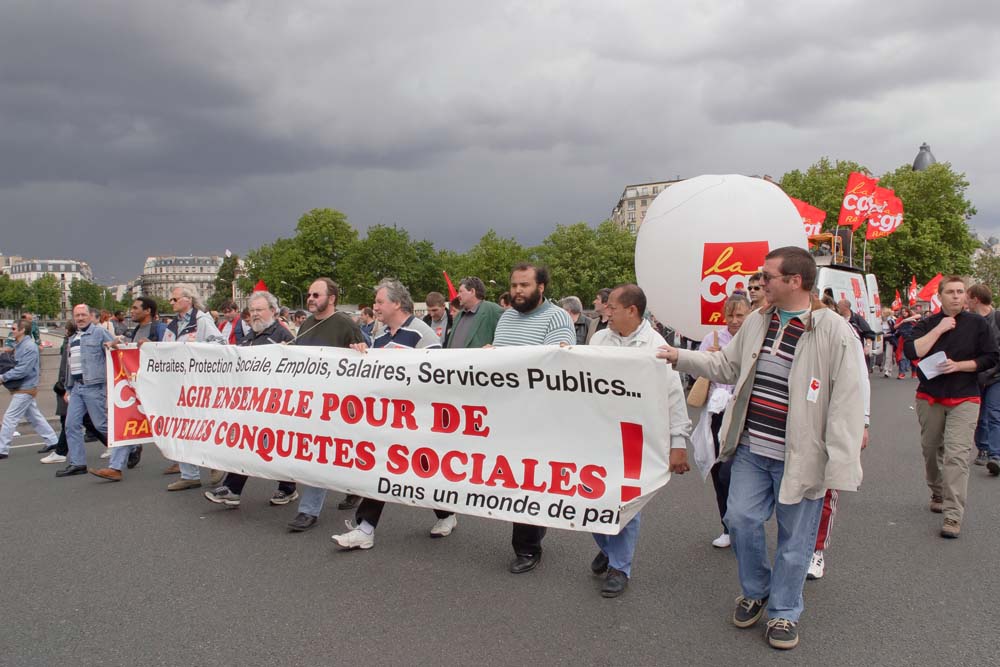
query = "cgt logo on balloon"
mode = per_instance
[{"x": 727, "y": 267}]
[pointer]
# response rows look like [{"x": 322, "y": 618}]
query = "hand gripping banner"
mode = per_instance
[{"x": 573, "y": 438}]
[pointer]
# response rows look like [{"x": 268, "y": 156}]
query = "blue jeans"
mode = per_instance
[
  {"x": 620, "y": 548},
  {"x": 905, "y": 365},
  {"x": 91, "y": 399},
  {"x": 988, "y": 428},
  {"x": 23, "y": 405},
  {"x": 119, "y": 457},
  {"x": 753, "y": 498},
  {"x": 311, "y": 499}
]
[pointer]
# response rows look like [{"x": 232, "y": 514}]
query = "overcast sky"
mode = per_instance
[{"x": 131, "y": 128}]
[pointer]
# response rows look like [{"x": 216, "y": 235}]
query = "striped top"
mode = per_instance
[
  {"x": 767, "y": 414},
  {"x": 545, "y": 325},
  {"x": 75, "y": 362},
  {"x": 413, "y": 334}
]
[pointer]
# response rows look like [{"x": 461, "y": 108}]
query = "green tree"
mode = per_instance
[
  {"x": 15, "y": 294},
  {"x": 224, "y": 282},
  {"x": 615, "y": 257},
  {"x": 570, "y": 253},
  {"x": 986, "y": 270},
  {"x": 935, "y": 235},
  {"x": 92, "y": 294},
  {"x": 387, "y": 252},
  {"x": 46, "y": 295},
  {"x": 491, "y": 258}
]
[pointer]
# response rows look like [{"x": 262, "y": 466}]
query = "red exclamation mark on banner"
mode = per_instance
[{"x": 632, "y": 458}]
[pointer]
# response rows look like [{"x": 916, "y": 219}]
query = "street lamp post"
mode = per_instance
[{"x": 301, "y": 300}]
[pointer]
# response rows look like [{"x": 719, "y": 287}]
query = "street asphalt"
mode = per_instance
[{"x": 97, "y": 573}]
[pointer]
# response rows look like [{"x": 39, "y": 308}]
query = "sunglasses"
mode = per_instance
[
  {"x": 315, "y": 295},
  {"x": 754, "y": 288}
]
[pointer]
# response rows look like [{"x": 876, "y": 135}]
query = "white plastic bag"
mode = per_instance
[{"x": 701, "y": 438}]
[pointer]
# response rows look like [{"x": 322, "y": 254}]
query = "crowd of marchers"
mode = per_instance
[{"x": 784, "y": 392}]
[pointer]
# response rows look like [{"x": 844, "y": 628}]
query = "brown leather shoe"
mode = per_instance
[
  {"x": 174, "y": 469},
  {"x": 183, "y": 484},
  {"x": 215, "y": 477},
  {"x": 109, "y": 474},
  {"x": 951, "y": 528},
  {"x": 936, "y": 505}
]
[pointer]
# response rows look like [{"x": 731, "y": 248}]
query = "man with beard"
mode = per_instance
[
  {"x": 325, "y": 327},
  {"x": 265, "y": 331},
  {"x": 531, "y": 321}
]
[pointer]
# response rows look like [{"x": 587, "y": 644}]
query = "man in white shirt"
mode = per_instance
[{"x": 627, "y": 328}]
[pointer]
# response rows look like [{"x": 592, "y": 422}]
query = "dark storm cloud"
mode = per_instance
[{"x": 216, "y": 124}]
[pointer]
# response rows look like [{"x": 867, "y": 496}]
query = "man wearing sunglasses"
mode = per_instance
[
  {"x": 192, "y": 324},
  {"x": 755, "y": 290},
  {"x": 324, "y": 327},
  {"x": 795, "y": 425}
]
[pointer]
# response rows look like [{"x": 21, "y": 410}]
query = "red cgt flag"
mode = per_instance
[
  {"x": 812, "y": 217},
  {"x": 885, "y": 215},
  {"x": 913, "y": 291},
  {"x": 929, "y": 291},
  {"x": 897, "y": 303},
  {"x": 857, "y": 200}
]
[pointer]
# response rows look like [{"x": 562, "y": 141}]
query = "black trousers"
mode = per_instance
[
  {"x": 370, "y": 510},
  {"x": 62, "y": 447},
  {"x": 527, "y": 539},
  {"x": 721, "y": 473},
  {"x": 235, "y": 483}
]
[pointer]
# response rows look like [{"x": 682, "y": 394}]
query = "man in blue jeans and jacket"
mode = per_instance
[
  {"x": 86, "y": 388},
  {"x": 22, "y": 382}
]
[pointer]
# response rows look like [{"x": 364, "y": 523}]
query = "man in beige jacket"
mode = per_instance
[{"x": 796, "y": 423}]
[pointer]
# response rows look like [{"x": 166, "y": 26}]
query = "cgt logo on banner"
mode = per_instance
[
  {"x": 727, "y": 267},
  {"x": 127, "y": 424},
  {"x": 812, "y": 217},
  {"x": 480, "y": 432},
  {"x": 857, "y": 200}
]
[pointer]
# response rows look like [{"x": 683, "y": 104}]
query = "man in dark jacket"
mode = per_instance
[
  {"x": 266, "y": 331},
  {"x": 477, "y": 320},
  {"x": 954, "y": 345},
  {"x": 988, "y": 427}
]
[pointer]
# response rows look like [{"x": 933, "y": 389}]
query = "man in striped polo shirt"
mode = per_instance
[
  {"x": 394, "y": 308},
  {"x": 796, "y": 424},
  {"x": 531, "y": 320}
]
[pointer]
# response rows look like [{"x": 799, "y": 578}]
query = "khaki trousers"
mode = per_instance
[{"x": 947, "y": 435}]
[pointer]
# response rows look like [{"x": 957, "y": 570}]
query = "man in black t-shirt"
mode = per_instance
[{"x": 325, "y": 327}]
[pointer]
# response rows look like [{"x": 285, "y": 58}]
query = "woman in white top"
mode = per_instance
[{"x": 734, "y": 312}]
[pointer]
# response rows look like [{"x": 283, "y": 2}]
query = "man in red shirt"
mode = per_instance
[{"x": 948, "y": 395}]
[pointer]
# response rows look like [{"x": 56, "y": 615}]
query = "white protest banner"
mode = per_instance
[{"x": 573, "y": 438}]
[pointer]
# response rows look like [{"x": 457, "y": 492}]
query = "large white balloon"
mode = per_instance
[{"x": 702, "y": 238}]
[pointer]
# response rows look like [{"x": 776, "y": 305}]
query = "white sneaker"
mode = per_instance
[
  {"x": 443, "y": 527},
  {"x": 816, "y": 566},
  {"x": 722, "y": 541},
  {"x": 355, "y": 538},
  {"x": 106, "y": 454},
  {"x": 53, "y": 458},
  {"x": 16, "y": 434}
]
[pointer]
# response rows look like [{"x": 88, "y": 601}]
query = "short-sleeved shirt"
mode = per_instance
[
  {"x": 545, "y": 325},
  {"x": 413, "y": 334},
  {"x": 338, "y": 330}
]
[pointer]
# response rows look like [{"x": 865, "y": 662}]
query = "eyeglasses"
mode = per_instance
[
  {"x": 766, "y": 277},
  {"x": 315, "y": 295},
  {"x": 754, "y": 288},
  {"x": 174, "y": 299}
]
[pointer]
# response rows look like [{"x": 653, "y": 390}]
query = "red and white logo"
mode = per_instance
[{"x": 726, "y": 267}]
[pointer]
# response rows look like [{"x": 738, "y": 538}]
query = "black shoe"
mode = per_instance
[
  {"x": 748, "y": 611},
  {"x": 47, "y": 448},
  {"x": 90, "y": 438},
  {"x": 3, "y": 456},
  {"x": 134, "y": 456},
  {"x": 600, "y": 563},
  {"x": 302, "y": 522},
  {"x": 349, "y": 502},
  {"x": 615, "y": 584},
  {"x": 993, "y": 465},
  {"x": 522, "y": 564},
  {"x": 782, "y": 633},
  {"x": 71, "y": 470}
]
